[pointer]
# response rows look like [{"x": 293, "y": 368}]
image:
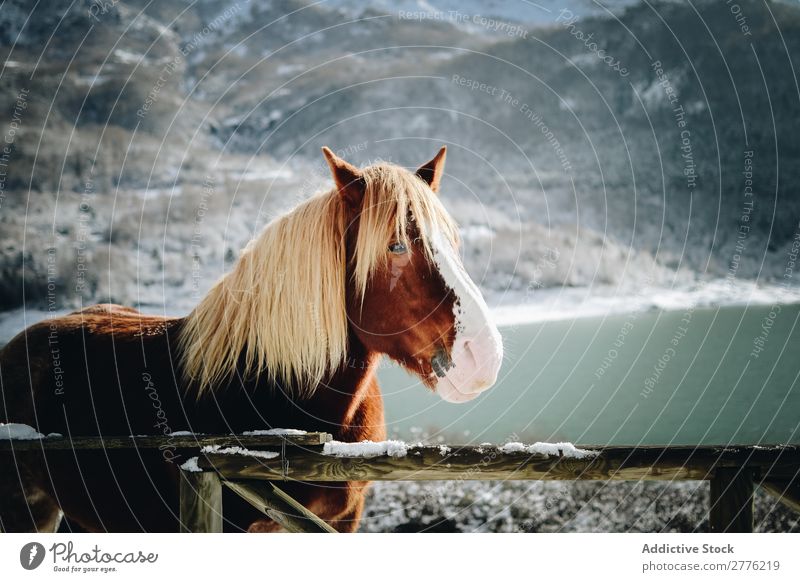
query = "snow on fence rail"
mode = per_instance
[
  {"x": 252, "y": 463},
  {"x": 20, "y": 437}
]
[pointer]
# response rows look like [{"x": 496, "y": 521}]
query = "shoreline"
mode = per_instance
[{"x": 515, "y": 308}]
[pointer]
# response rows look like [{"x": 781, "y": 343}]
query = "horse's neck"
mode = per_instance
[
  {"x": 342, "y": 398},
  {"x": 337, "y": 404}
]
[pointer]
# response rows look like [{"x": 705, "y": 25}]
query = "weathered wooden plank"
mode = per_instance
[
  {"x": 731, "y": 500},
  {"x": 480, "y": 463},
  {"x": 160, "y": 441},
  {"x": 786, "y": 490},
  {"x": 200, "y": 502},
  {"x": 279, "y": 506}
]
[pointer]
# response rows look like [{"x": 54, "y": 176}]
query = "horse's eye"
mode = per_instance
[{"x": 397, "y": 248}]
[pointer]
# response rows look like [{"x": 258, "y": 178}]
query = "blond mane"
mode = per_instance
[{"x": 281, "y": 311}]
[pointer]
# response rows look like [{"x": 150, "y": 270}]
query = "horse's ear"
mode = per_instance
[
  {"x": 349, "y": 180},
  {"x": 433, "y": 171}
]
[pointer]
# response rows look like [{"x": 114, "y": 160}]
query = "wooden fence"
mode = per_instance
[{"x": 733, "y": 472}]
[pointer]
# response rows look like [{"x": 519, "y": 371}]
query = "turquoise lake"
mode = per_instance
[{"x": 712, "y": 376}]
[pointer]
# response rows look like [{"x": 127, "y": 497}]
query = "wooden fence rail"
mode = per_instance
[
  {"x": 732, "y": 472},
  {"x": 425, "y": 463},
  {"x": 177, "y": 441},
  {"x": 239, "y": 463}
]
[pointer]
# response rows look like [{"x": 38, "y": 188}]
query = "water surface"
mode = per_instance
[{"x": 656, "y": 378}]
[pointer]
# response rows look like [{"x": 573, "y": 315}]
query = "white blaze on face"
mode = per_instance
[{"x": 478, "y": 348}]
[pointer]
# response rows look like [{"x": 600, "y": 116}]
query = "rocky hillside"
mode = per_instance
[{"x": 586, "y": 146}]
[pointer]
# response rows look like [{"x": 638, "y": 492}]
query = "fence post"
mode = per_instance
[
  {"x": 731, "y": 500},
  {"x": 200, "y": 502}
]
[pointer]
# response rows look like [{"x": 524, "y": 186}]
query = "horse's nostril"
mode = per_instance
[{"x": 440, "y": 363}]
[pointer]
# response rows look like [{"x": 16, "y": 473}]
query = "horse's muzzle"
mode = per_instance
[{"x": 470, "y": 368}]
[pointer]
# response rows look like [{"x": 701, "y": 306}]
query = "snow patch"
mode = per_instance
[
  {"x": 22, "y": 432},
  {"x": 365, "y": 449},
  {"x": 550, "y": 449},
  {"x": 512, "y": 448},
  {"x": 561, "y": 304},
  {"x": 191, "y": 466},
  {"x": 275, "y": 432},
  {"x": 219, "y": 450},
  {"x": 129, "y": 57}
]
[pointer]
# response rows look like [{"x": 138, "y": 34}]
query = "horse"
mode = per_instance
[{"x": 290, "y": 337}]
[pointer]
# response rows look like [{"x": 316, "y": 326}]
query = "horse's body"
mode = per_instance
[
  {"x": 109, "y": 370},
  {"x": 121, "y": 382}
]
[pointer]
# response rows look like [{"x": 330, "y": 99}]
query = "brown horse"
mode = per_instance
[{"x": 289, "y": 338}]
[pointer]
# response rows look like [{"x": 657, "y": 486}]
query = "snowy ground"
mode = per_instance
[
  {"x": 553, "y": 506},
  {"x": 600, "y": 301}
]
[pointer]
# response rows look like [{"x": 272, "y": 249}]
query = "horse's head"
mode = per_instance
[{"x": 408, "y": 294}]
